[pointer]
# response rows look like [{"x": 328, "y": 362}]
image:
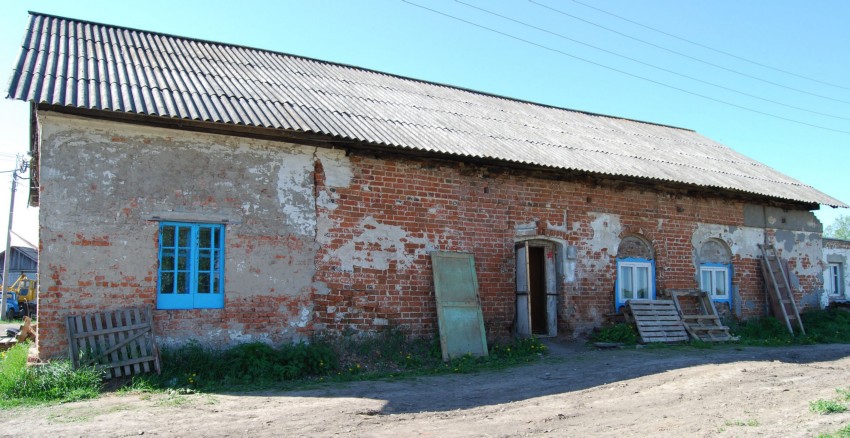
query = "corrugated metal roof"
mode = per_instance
[{"x": 88, "y": 65}]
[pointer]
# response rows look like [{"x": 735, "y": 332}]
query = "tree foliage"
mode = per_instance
[{"x": 840, "y": 229}]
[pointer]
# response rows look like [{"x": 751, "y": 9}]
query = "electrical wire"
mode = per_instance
[
  {"x": 743, "y": 93},
  {"x": 691, "y": 57},
  {"x": 709, "y": 47},
  {"x": 551, "y": 49}
]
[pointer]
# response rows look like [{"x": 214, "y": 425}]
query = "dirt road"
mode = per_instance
[{"x": 723, "y": 391}]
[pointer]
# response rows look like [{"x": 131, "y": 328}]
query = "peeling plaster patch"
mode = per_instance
[
  {"x": 378, "y": 245},
  {"x": 526, "y": 229},
  {"x": 337, "y": 167},
  {"x": 295, "y": 193},
  {"x": 802, "y": 247},
  {"x": 562, "y": 227},
  {"x": 811, "y": 299},
  {"x": 320, "y": 288},
  {"x": 305, "y": 312},
  {"x": 606, "y": 232},
  {"x": 742, "y": 241}
]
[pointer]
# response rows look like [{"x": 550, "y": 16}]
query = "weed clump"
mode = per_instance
[
  {"x": 822, "y": 327},
  {"x": 620, "y": 333},
  {"x": 343, "y": 357}
]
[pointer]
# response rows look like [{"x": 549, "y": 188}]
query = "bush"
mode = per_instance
[{"x": 54, "y": 381}]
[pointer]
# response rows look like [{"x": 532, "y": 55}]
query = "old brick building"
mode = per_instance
[{"x": 253, "y": 195}]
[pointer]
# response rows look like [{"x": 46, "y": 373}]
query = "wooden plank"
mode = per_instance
[
  {"x": 108, "y": 317},
  {"x": 131, "y": 352},
  {"x": 143, "y": 349},
  {"x": 113, "y": 330}
]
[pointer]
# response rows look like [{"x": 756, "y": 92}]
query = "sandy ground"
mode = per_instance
[{"x": 723, "y": 391}]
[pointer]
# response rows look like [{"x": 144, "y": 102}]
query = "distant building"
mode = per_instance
[{"x": 24, "y": 260}]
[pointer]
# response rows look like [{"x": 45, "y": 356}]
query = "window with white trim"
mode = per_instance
[
  {"x": 635, "y": 280},
  {"x": 191, "y": 266},
  {"x": 833, "y": 279},
  {"x": 715, "y": 279}
]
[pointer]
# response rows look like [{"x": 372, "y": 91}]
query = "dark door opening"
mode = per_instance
[{"x": 537, "y": 289}]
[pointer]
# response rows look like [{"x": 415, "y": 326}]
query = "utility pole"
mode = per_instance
[{"x": 7, "y": 260}]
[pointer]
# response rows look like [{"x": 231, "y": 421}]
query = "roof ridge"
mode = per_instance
[{"x": 339, "y": 64}]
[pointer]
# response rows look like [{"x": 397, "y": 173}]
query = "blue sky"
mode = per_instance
[{"x": 554, "y": 64}]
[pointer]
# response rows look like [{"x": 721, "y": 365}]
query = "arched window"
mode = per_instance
[
  {"x": 715, "y": 270},
  {"x": 635, "y": 271}
]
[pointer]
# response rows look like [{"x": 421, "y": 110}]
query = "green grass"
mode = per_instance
[
  {"x": 834, "y": 406},
  {"x": 844, "y": 432},
  {"x": 348, "y": 357},
  {"x": 824, "y": 407},
  {"x": 53, "y": 382},
  {"x": 749, "y": 423}
]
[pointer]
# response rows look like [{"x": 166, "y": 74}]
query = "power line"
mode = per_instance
[
  {"x": 622, "y": 71},
  {"x": 709, "y": 47},
  {"x": 685, "y": 55},
  {"x": 743, "y": 93}
]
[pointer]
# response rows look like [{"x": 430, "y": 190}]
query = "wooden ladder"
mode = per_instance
[{"x": 781, "y": 297}]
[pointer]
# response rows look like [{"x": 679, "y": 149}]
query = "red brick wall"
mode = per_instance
[
  {"x": 100, "y": 253},
  {"x": 481, "y": 212}
]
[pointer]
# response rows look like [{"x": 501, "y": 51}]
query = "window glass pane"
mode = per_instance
[
  {"x": 216, "y": 285},
  {"x": 705, "y": 281},
  {"x": 720, "y": 283},
  {"x": 642, "y": 282},
  {"x": 204, "y": 283},
  {"x": 204, "y": 260},
  {"x": 205, "y": 237},
  {"x": 167, "y": 263},
  {"x": 627, "y": 282},
  {"x": 183, "y": 235},
  {"x": 168, "y": 235},
  {"x": 182, "y": 282},
  {"x": 166, "y": 282},
  {"x": 183, "y": 259}
]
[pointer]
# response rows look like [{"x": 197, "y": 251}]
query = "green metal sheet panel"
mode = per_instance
[{"x": 458, "y": 306}]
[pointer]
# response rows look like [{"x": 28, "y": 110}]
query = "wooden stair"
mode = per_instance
[
  {"x": 704, "y": 325},
  {"x": 779, "y": 291},
  {"x": 657, "y": 320}
]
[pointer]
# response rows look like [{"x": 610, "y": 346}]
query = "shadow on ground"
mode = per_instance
[{"x": 572, "y": 367}]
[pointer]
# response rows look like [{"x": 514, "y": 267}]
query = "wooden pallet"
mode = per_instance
[
  {"x": 120, "y": 341},
  {"x": 657, "y": 320},
  {"x": 779, "y": 291},
  {"x": 702, "y": 323}
]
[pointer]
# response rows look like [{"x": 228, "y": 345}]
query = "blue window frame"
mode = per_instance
[
  {"x": 716, "y": 279},
  {"x": 635, "y": 280},
  {"x": 191, "y": 266}
]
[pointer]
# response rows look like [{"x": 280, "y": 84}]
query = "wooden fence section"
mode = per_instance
[{"x": 121, "y": 341}]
